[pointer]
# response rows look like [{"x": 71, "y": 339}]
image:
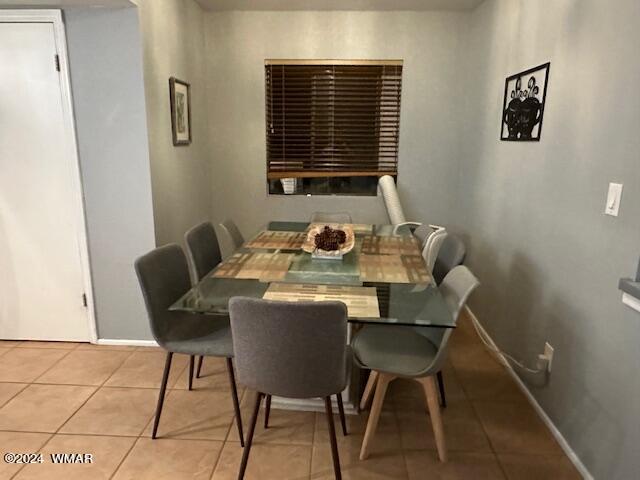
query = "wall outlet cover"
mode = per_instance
[
  {"x": 613, "y": 199},
  {"x": 548, "y": 353}
]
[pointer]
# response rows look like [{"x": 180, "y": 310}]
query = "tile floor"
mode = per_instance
[{"x": 65, "y": 397}]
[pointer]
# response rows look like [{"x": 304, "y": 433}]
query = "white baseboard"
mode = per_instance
[
  {"x": 133, "y": 343},
  {"x": 536, "y": 406}
]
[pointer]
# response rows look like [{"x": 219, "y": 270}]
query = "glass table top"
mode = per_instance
[{"x": 410, "y": 304}]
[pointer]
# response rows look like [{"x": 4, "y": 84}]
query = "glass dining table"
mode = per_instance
[{"x": 382, "y": 280}]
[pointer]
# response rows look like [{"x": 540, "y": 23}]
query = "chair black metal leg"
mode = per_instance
[
  {"x": 343, "y": 421},
  {"x": 236, "y": 402},
  {"x": 267, "y": 411},
  {"x": 199, "y": 366},
  {"x": 163, "y": 389},
  {"x": 191, "y": 363},
  {"x": 443, "y": 400},
  {"x": 252, "y": 427},
  {"x": 332, "y": 437}
]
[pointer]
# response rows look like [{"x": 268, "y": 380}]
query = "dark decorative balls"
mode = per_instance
[{"x": 329, "y": 239}]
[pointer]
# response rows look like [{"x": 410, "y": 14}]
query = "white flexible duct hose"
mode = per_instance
[{"x": 387, "y": 187}]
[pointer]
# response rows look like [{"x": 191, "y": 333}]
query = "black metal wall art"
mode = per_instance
[{"x": 523, "y": 108}]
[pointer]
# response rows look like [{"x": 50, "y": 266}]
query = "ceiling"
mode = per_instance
[
  {"x": 65, "y": 3},
  {"x": 339, "y": 4}
]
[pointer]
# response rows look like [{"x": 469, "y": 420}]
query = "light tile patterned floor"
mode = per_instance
[{"x": 65, "y": 397}]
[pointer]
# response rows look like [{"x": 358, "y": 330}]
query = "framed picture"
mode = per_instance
[
  {"x": 180, "y": 97},
  {"x": 523, "y": 104}
]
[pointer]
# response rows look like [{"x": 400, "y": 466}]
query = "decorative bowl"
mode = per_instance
[{"x": 309, "y": 244}]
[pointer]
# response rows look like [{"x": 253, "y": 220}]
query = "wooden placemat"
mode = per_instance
[
  {"x": 277, "y": 240},
  {"x": 265, "y": 267},
  {"x": 383, "y": 245},
  {"x": 359, "y": 228},
  {"x": 361, "y": 302},
  {"x": 393, "y": 269},
  {"x": 362, "y": 228}
]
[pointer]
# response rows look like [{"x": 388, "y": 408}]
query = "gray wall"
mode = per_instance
[
  {"x": 548, "y": 258},
  {"x": 108, "y": 97},
  {"x": 237, "y": 43},
  {"x": 173, "y": 45}
]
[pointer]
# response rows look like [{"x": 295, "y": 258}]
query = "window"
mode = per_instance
[{"x": 332, "y": 126}]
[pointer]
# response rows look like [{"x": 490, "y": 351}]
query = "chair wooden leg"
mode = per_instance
[
  {"x": 431, "y": 392},
  {"x": 343, "y": 421},
  {"x": 200, "y": 359},
  {"x": 252, "y": 428},
  {"x": 191, "y": 363},
  {"x": 369, "y": 390},
  {"x": 443, "y": 399},
  {"x": 332, "y": 437},
  {"x": 374, "y": 416},
  {"x": 163, "y": 389},
  {"x": 267, "y": 410},
  {"x": 236, "y": 401}
]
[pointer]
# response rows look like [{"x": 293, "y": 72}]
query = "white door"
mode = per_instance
[{"x": 41, "y": 275}]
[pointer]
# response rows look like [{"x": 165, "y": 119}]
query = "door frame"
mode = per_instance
[{"x": 71, "y": 145}]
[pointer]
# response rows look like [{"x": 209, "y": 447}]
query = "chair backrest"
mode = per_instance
[
  {"x": 163, "y": 274},
  {"x": 329, "y": 217},
  {"x": 290, "y": 349},
  {"x": 432, "y": 247},
  {"x": 451, "y": 255},
  {"x": 233, "y": 232},
  {"x": 455, "y": 289},
  {"x": 203, "y": 250}
]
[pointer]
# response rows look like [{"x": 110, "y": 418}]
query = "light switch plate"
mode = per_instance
[{"x": 613, "y": 199}]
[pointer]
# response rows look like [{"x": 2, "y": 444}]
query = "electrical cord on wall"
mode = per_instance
[{"x": 497, "y": 351}]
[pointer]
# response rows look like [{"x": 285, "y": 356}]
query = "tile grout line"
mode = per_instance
[
  {"x": 92, "y": 394},
  {"x": 39, "y": 448},
  {"x": 404, "y": 450},
  {"x": 102, "y": 385},
  {"x": 53, "y": 364},
  {"x": 124, "y": 457},
  {"x": 15, "y": 394},
  {"x": 313, "y": 443},
  {"x": 477, "y": 415},
  {"x": 35, "y": 381}
]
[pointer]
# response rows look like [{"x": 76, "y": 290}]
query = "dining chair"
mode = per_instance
[
  {"x": 293, "y": 350},
  {"x": 233, "y": 233},
  {"x": 164, "y": 277},
  {"x": 451, "y": 255},
  {"x": 431, "y": 237},
  {"x": 331, "y": 217},
  {"x": 203, "y": 253},
  {"x": 416, "y": 353},
  {"x": 432, "y": 246}
]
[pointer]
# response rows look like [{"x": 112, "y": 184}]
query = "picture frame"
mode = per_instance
[
  {"x": 523, "y": 108},
  {"x": 180, "y": 99}
]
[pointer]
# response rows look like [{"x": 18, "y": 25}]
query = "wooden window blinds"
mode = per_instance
[{"x": 330, "y": 118}]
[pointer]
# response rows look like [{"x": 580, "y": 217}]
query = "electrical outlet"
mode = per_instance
[{"x": 548, "y": 354}]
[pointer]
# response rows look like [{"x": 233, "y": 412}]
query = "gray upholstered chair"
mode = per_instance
[
  {"x": 294, "y": 350},
  {"x": 432, "y": 246},
  {"x": 203, "y": 252},
  {"x": 416, "y": 353},
  {"x": 451, "y": 255},
  {"x": 327, "y": 217},
  {"x": 164, "y": 277},
  {"x": 233, "y": 233}
]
